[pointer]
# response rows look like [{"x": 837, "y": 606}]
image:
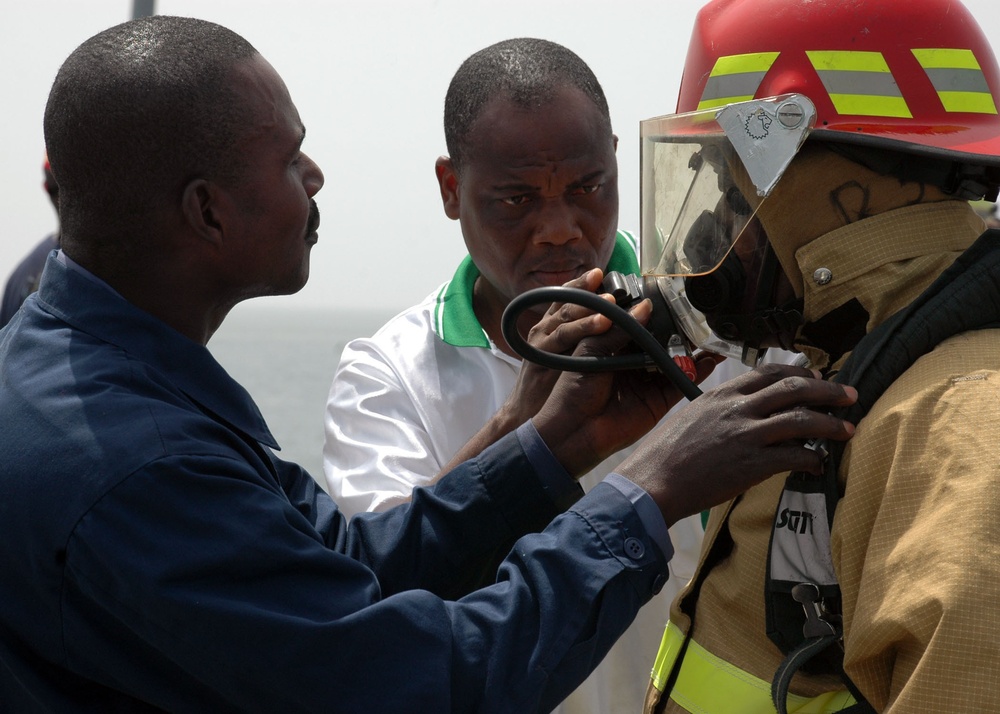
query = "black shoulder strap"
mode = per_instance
[{"x": 802, "y": 595}]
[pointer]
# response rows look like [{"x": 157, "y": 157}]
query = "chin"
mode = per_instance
[
  {"x": 298, "y": 284},
  {"x": 292, "y": 285}
]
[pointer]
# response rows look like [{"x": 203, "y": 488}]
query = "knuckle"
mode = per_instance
[
  {"x": 536, "y": 333},
  {"x": 772, "y": 369},
  {"x": 802, "y": 418},
  {"x": 565, "y": 312},
  {"x": 792, "y": 386}
]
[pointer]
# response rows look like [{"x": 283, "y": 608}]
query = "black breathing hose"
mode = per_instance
[{"x": 655, "y": 354}]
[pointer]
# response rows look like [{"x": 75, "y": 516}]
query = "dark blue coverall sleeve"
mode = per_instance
[{"x": 245, "y": 607}]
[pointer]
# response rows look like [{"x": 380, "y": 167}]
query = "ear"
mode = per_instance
[
  {"x": 614, "y": 142},
  {"x": 203, "y": 206},
  {"x": 448, "y": 183}
]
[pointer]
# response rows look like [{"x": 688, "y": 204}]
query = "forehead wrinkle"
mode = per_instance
[
  {"x": 544, "y": 175},
  {"x": 552, "y": 173}
]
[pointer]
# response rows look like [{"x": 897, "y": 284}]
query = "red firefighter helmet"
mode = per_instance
[{"x": 916, "y": 76}]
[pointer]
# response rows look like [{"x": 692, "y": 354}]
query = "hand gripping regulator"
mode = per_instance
[{"x": 661, "y": 345}]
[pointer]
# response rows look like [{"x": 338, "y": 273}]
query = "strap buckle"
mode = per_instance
[{"x": 819, "y": 621}]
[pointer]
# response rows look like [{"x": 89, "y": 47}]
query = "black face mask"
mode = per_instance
[{"x": 739, "y": 308}]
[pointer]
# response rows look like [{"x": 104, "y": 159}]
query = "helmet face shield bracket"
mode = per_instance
[{"x": 766, "y": 134}]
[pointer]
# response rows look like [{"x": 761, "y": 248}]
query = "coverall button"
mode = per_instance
[{"x": 634, "y": 548}]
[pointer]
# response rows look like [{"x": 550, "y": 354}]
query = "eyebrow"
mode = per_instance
[
  {"x": 298, "y": 145},
  {"x": 526, "y": 187},
  {"x": 512, "y": 186},
  {"x": 593, "y": 175}
]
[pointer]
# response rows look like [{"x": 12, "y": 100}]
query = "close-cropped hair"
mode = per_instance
[
  {"x": 138, "y": 111},
  {"x": 525, "y": 70}
]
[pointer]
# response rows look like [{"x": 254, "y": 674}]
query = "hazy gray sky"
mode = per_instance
[{"x": 369, "y": 78}]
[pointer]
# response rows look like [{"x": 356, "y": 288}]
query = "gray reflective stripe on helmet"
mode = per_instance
[
  {"x": 731, "y": 87},
  {"x": 958, "y": 80},
  {"x": 876, "y": 84}
]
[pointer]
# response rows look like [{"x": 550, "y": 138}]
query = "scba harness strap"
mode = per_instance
[{"x": 802, "y": 594}]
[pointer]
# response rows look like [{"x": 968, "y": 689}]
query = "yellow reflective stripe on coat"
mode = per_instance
[
  {"x": 958, "y": 80},
  {"x": 859, "y": 83},
  {"x": 707, "y": 683},
  {"x": 735, "y": 78}
]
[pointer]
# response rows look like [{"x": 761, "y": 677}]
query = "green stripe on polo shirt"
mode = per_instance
[
  {"x": 455, "y": 321},
  {"x": 623, "y": 258}
]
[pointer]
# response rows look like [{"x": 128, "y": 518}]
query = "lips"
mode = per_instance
[
  {"x": 557, "y": 273},
  {"x": 312, "y": 226},
  {"x": 557, "y": 277}
]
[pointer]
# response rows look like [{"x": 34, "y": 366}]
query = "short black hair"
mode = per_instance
[
  {"x": 134, "y": 114},
  {"x": 526, "y": 70}
]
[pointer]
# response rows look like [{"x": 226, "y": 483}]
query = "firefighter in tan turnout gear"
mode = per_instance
[{"x": 812, "y": 187}]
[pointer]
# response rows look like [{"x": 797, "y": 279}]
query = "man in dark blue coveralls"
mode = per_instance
[{"x": 159, "y": 556}]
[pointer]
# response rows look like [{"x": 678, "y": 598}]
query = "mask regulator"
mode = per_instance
[{"x": 660, "y": 345}]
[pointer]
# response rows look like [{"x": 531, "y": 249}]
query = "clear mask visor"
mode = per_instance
[{"x": 703, "y": 175}]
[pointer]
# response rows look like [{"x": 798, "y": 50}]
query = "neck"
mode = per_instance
[
  {"x": 489, "y": 305},
  {"x": 163, "y": 286}
]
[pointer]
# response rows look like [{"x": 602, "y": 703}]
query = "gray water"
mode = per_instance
[{"x": 286, "y": 357}]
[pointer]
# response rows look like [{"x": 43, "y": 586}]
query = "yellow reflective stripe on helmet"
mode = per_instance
[
  {"x": 859, "y": 83},
  {"x": 864, "y": 105},
  {"x": 941, "y": 58},
  {"x": 707, "y": 683},
  {"x": 958, "y": 80},
  {"x": 735, "y": 78}
]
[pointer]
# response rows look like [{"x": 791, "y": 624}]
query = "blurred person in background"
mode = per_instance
[{"x": 24, "y": 278}]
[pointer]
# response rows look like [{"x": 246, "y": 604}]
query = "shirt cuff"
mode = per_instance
[
  {"x": 555, "y": 479},
  {"x": 648, "y": 511}
]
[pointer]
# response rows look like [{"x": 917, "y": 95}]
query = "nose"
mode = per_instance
[
  {"x": 558, "y": 223},
  {"x": 312, "y": 176}
]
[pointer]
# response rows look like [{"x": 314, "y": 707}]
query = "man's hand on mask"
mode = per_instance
[{"x": 716, "y": 447}]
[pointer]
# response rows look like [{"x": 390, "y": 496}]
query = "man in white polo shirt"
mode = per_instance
[{"x": 532, "y": 178}]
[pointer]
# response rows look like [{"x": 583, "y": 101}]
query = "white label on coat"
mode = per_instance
[{"x": 800, "y": 551}]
